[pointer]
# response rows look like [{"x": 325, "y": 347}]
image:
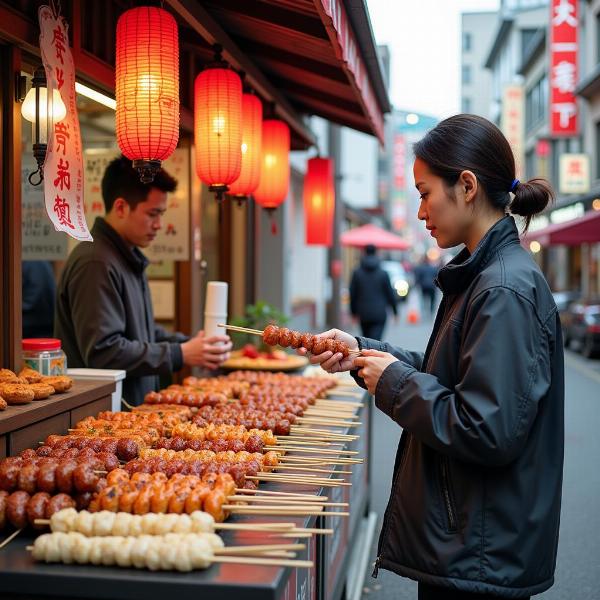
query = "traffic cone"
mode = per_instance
[{"x": 413, "y": 314}]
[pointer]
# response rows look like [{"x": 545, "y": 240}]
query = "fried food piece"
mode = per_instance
[
  {"x": 31, "y": 375},
  {"x": 60, "y": 383},
  {"x": 6, "y": 376},
  {"x": 41, "y": 390},
  {"x": 3, "y": 404},
  {"x": 271, "y": 335},
  {"x": 16, "y": 393}
]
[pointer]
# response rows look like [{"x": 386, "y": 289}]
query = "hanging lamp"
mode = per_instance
[
  {"x": 249, "y": 178},
  {"x": 319, "y": 202},
  {"x": 147, "y": 87},
  {"x": 218, "y": 125}
]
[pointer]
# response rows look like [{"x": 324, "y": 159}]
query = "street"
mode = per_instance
[{"x": 578, "y": 568}]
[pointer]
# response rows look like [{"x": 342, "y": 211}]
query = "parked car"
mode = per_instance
[
  {"x": 581, "y": 324},
  {"x": 399, "y": 278}
]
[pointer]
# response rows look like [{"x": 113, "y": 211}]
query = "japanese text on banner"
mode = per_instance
[{"x": 63, "y": 167}]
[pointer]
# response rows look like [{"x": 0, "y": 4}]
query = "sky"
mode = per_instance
[{"x": 424, "y": 38}]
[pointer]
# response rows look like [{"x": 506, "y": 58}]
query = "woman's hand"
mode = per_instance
[
  {"x": 334, "y": 363},
  {"x": 371, "y": 366}
]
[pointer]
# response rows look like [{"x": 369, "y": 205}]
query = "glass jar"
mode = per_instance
[{"x": 45, "y": 356}]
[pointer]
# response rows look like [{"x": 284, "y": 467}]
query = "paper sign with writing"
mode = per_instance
[{"x": 63, "y": 167}]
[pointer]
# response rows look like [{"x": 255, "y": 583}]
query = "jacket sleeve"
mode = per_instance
[
  {"x": 99, "y": 316},
  {"x": 503, "y": 374},
  {"x": 412, "y": 359},
  {"x": 390, "y": 294},
  {"x": 353, "y": 294},
  {"x": 162, "y": 335}
]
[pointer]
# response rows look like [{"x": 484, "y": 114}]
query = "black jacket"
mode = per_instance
[
  {"x": 475, "y": 501},
  {"x": 104, "y": 314},
  {"x": 371, "y": 291}
]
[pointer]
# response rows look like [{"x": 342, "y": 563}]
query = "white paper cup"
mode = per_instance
[
  {"x": 211, "y": 324},
  {"x": 216, "y": 298}
]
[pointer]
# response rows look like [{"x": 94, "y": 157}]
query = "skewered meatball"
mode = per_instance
[
  {"x": 307, "y": 340},
  {"x": 319, "y": 346},
  {"x": 271, "y": 335},
  {"x": 295, "y": 339},
  {"x": 285, "y": 337}
]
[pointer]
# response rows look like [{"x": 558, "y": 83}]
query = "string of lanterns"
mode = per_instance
[{"x": 237, "y": 152}]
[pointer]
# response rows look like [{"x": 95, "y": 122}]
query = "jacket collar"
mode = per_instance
[
  {"x": 132, "y": 255},
  {"x": 464, "y": 267}
]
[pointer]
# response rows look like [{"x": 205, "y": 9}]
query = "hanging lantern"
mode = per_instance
[
  {"x": 147, "y": 87},
  {"x": 275, "y": 164},
  {"x": 218, "y": 126},
  {"x": 249, "y": 177},
  {"x": 319, "y": 202}
]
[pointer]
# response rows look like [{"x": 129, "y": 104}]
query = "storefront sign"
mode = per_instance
[
  {"x": 172, "y": 241},
  {"x": 399, "y": 161},
  {"x": 513, "y": 122},
  {"x": 40, "y": 241},
  {"x": 563, "y": 67},
  {"x": 574, "y": 174},
  {"x": 567, "y": 213},
  {"x": 63, "y": 167}
]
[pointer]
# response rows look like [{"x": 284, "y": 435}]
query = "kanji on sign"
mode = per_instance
[
  {"x": 574, "y": 167},
  {"x": 63, "y": 176},
  {"x": 60, "y": 77},
  {"x": 563, "y": 13},
  {"x": 566, "y": 110},
  {"x": 58, "y": 40},
  {"x": 563, "y": 76},
  {"x": 171, "y": 229},
  {"x": 63, "y": 212},
  {"x": 61, "y": 135}
]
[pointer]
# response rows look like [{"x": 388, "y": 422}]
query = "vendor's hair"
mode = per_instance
[
  {"x": 471, "y": 143},
  {"x": 121, "y": 180}
]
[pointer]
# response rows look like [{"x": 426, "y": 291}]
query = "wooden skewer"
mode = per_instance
[
  {"x": 274, "y": 562},
  {"x": 285, "y": 494},
  {"x": 283, "y": 501},
  {"x": 312, "y": 450},
  {"x": 284, "y": 527},
  {"x": 302, "y": 441},
  {"x": 344, "y": 393},
  {"x": 328, "y": 422},
  {"x": 336, "y": 414},
  {"x": 299, "y": 481},
  {"x": 308, "y": 530},
  {"x": 303, "y": 476},
  {"x": 324, "y": 434},
  {"x": 10, "y": 538},
  {"x": 345, "y": 403},
  {"x": 299, "y": 535},
  {"x": 276, "y": 510},
  {"x": 310, "y": 470},
  {"x": 241, "y": 329},
  {"x": 257, "y": 549}
]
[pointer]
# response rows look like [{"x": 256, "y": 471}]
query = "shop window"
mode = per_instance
[
  {"x": 467, "y": 39},
  {"x": 536, "y": 104},
  {"x": 526, "y": 36},
  {"x": 466, "y": 74}
]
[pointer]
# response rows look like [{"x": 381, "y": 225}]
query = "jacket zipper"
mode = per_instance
[
  {"x": 392, "y": 496},
  {"x": 450, "y": 512}
]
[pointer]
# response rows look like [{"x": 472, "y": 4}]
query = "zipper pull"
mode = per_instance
[{"x": 376, "y": 567}]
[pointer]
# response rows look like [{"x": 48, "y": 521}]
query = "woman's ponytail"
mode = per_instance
[{"x": 530, "y": 198}]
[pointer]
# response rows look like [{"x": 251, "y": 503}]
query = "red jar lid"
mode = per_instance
[{"x": 41, "y": 344}]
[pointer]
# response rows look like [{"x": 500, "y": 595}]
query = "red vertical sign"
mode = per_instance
[
  {"x": 563, "y": 67},
  {"x": 399, "y": 161}
]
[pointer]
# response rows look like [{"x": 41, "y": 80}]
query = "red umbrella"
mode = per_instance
[{"x": 371, "y": 234}]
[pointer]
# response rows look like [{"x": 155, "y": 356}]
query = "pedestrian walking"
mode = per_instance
[
  {"x": 371, "y": 294},
  {"x": 425, "y": 275},
  {"x": 475, "y": 501}
]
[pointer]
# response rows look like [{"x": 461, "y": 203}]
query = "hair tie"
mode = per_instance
[{"x": 514, "y": 185}]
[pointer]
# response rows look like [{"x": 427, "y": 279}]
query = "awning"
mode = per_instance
[
  {"x": 360, "y": 237},
  {"x": 584, "y": 230},
  {"x": 319, "y": 55}
]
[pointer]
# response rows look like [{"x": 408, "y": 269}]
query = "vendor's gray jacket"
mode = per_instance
[
  {"x": 476, "y": 494},
  {"x": 104, "y": 314}
]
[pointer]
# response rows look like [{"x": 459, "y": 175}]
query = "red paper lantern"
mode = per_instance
[
  {"x": 218, "y": 127},
  {"x": 275, "y": 164},
  {"x": 147, "y": 87},
  {"x": 319, "y": 202},
  {"x": 249, "y": 177}
]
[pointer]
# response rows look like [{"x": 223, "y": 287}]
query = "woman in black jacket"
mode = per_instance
[{"x": 475, "y": 502}]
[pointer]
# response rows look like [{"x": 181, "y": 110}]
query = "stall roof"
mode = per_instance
[
  {"x": 319, "y": 55},
  {"x": 584, "y": 230},
  {"x": 359, "y": 237}
]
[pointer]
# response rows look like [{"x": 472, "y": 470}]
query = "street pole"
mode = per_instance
[{"x": 334, "y": 308}]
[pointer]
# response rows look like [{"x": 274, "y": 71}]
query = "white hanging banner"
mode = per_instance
[{"x": 63, "y": 167}]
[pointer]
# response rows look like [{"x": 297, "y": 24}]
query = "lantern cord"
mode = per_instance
[{"x": 56, "y": 8}]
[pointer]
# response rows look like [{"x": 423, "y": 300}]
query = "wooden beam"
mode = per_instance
[
  {"x": 205, "y": 25},
  {"x": 10, "y": 212}
]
